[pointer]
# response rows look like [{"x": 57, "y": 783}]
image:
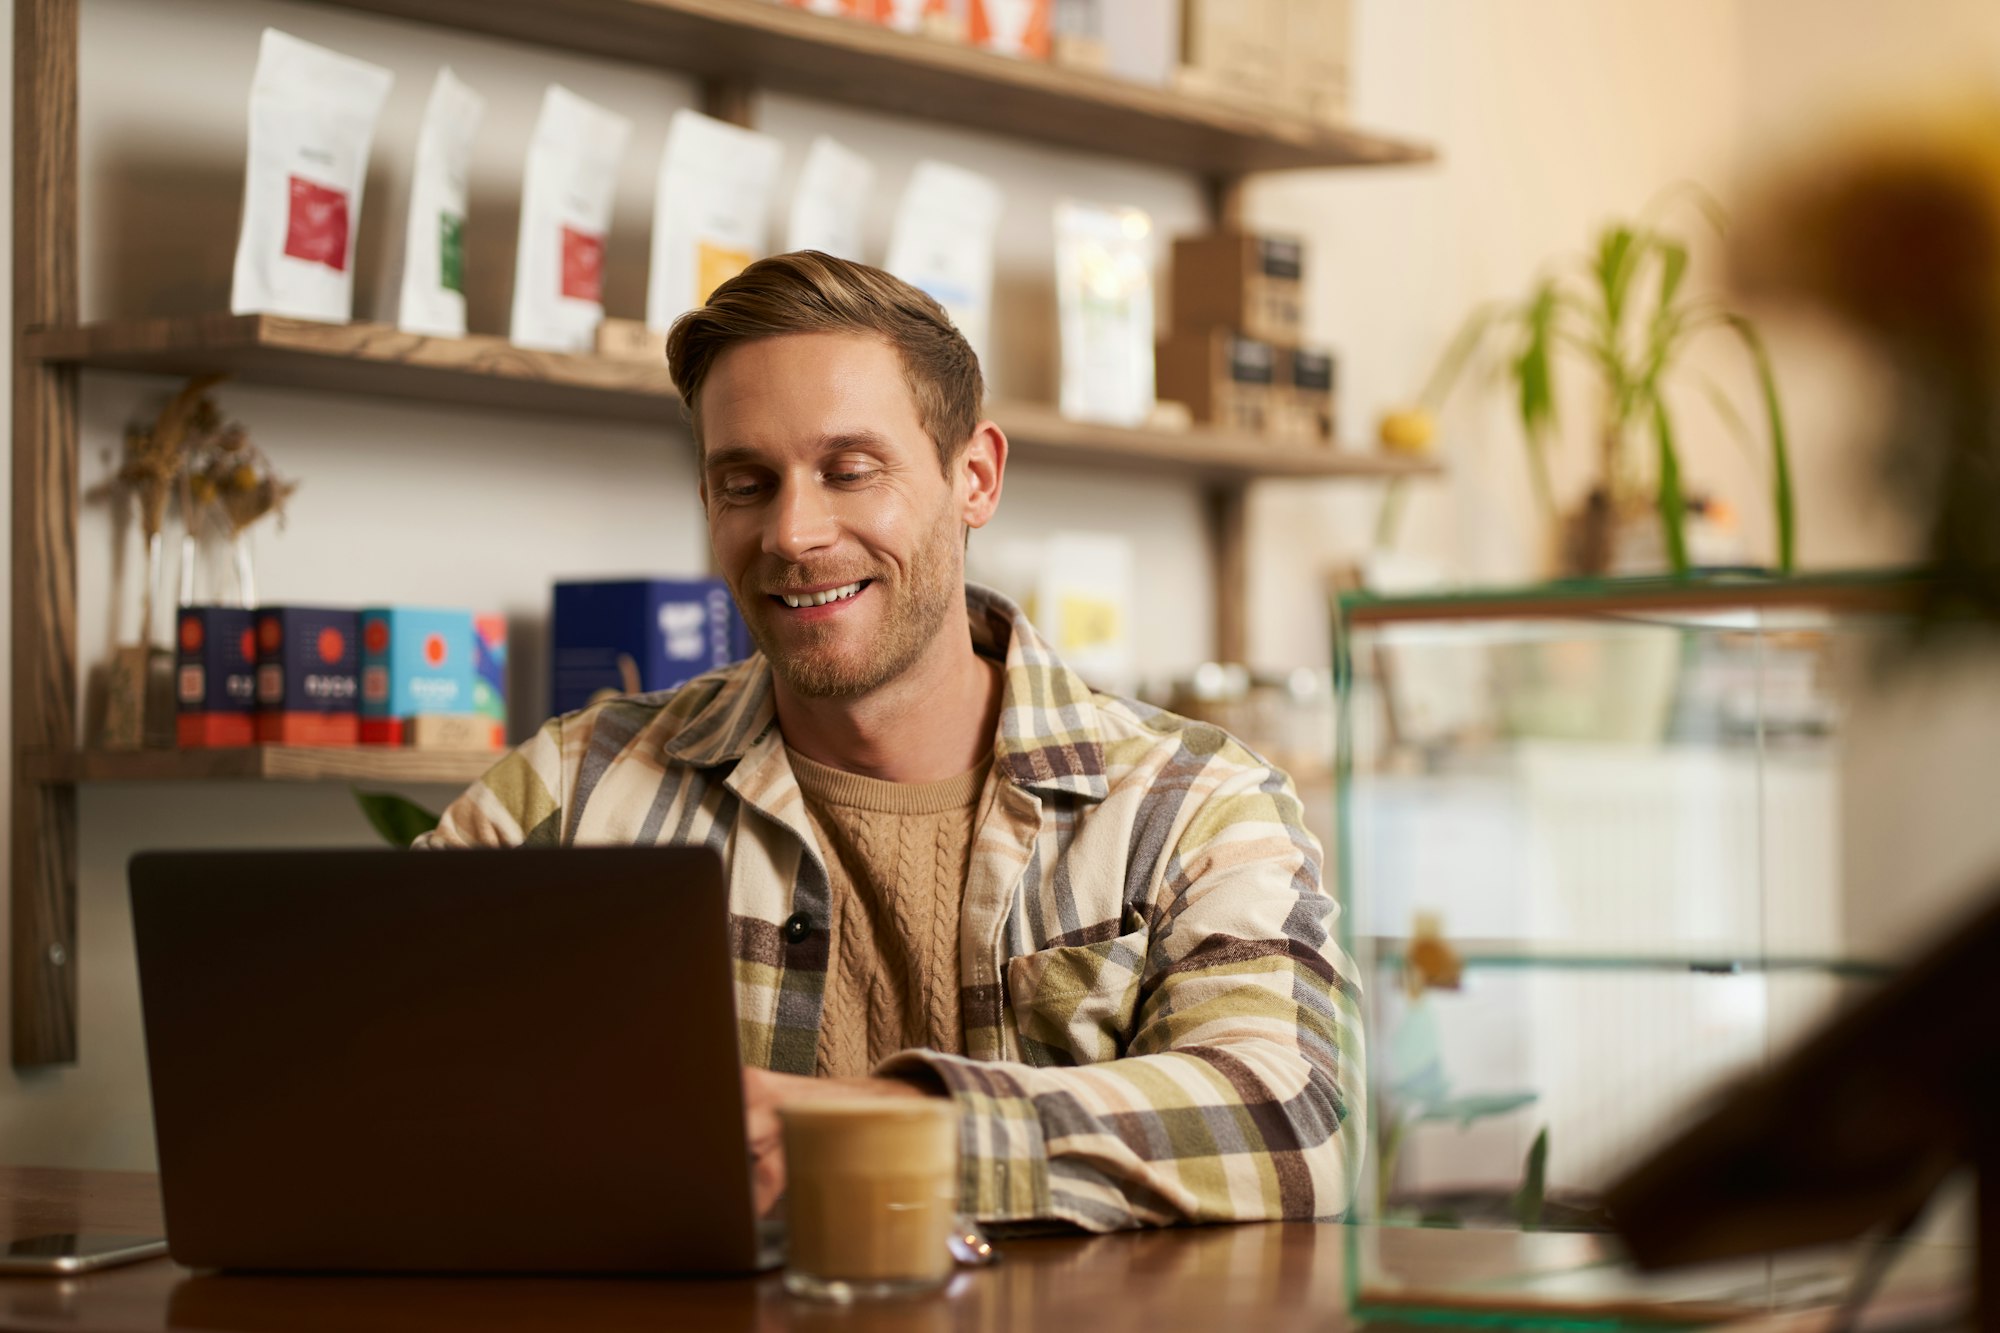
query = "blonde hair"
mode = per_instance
[{"x": 806, "y": 291}]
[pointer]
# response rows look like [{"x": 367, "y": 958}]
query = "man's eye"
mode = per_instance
[
  {"x": 741, "y": 490},
  {"x": 851, "y": 475}
]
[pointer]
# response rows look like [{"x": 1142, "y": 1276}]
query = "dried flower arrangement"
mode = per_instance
[
  {"x": 230, "y": 483},
  {"x": 224, "y": 482}
]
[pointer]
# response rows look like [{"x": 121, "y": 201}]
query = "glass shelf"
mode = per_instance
[{"x": 1620, "y": 804}]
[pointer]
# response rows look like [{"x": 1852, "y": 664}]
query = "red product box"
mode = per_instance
[{"x": 308, "y": 676}]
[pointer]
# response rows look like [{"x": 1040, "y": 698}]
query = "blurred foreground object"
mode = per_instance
[
  {"x": 1852, "y": 1133},
  {"x": 1895, "y": 231}
]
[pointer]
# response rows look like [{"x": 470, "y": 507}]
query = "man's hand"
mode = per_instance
[{"x": 764, "y": 1092}]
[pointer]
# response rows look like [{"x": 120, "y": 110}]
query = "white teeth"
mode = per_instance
[{"x": 821, "y": 598}]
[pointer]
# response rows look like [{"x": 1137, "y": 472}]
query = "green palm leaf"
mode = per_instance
[
  {"x": 1673, "y": 505},
  {"x": 1782, "y": 501}
]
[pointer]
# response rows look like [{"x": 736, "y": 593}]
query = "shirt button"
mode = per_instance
[{"x": 797, "y": 927}]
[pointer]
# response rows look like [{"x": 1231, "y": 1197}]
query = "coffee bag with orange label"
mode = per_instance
[{"x": 712, "y": 213}]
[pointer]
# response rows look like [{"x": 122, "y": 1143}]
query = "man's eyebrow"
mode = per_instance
[
  {"x": 727, "y": 456},
  {"x": 733, "y": 454}
]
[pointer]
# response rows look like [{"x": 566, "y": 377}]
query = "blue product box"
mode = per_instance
[
  {"x": 631, "y": 636},
  {"x": 308, "y": 673},
  {"x": 215, "y": 676},
  {"x": 414, "y": 661}
]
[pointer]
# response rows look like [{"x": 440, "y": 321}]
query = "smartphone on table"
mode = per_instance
[{"x": 64, "y": 1252}]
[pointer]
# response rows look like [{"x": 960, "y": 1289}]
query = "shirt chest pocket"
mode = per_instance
[{"x": 1074, "y": 1005}]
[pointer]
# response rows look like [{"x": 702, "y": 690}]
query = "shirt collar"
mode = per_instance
[{"x": 1048, "y": 738}]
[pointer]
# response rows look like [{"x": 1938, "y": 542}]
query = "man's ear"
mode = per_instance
[{"x": 981, "y": 468}]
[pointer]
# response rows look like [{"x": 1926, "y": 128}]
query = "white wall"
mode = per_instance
[{"x": 1552, "y": 117}]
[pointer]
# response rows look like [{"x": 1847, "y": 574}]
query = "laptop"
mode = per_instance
[{"x": 467, "y": 1061}]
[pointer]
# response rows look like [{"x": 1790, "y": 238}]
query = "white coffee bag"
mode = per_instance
[
  {"x": 942, "y": 243},
  {"x": 432, "y": 298},
  {"x": 312, "y": 121},
  {"x": 567, "y": 193},
  {"x": 712, "y": 211},
  {"x": 1104, "y": 297},
  {"x": 831, "y": 200}
]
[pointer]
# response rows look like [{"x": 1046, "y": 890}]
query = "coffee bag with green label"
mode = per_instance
[{"x": 433, "y": 295}]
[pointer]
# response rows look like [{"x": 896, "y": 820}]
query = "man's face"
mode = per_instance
[{"x": 830, "y": 517}]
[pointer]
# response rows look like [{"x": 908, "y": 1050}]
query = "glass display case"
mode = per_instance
[{"x": 1589, "y": 856}]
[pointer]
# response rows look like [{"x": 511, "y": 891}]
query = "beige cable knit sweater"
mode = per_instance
[{"x": 897, "y": 855}]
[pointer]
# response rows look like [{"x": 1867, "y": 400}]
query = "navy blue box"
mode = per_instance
[
  {"x": 624, "y": 636},
  {"x": 215, "y": 676},
  {"x": 308, "y": 676}
]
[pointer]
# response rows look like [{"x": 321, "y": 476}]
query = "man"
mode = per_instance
[{"x": 953, "y": 869}]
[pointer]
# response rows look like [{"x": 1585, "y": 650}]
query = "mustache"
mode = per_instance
[{"x": 797, "y": 579}]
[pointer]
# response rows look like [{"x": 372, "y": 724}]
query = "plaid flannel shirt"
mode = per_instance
[{"x": 1159, "y": 1024}]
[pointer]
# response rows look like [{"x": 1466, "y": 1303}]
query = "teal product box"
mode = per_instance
[
  {"x": 489, "y": 673},
  {"x": 414, "y": 661},
  {"x": 633, "y": 636}
]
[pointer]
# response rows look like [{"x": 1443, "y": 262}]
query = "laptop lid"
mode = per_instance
[{"x": 520, "y": 1060}]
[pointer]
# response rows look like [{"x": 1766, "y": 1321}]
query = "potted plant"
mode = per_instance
[{"x": 1625, "y": 312}]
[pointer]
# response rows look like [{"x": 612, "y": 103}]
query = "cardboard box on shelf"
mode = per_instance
[
  {"x": 1319, "y": 37},
  {"x": 414, "y": 661},
  {"x": 1076, "y": 35},
  {"x": 630, "y": 636},
  {"x": 631, "y": 340},
  {"x": 1227, "y": 380},
  {"x": 461, "y": 732},
  {"x": 215, "y": 677},
  {"x": 308, "y": 676},
  {"x": 1232, "y": 47},
  {"x": 1304, "y": 409},
  {"x": 1240, "y": 280}
]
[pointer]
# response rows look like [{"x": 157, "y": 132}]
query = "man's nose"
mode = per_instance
[{"x": 800, "y": 521}]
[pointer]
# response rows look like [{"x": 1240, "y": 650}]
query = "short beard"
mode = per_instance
[{"x": 921, "y": 609}]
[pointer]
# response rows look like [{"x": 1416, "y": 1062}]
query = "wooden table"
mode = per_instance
[
  {"x": 1262, "y": 1277},
  {"x": 1238, "y": 1279}
]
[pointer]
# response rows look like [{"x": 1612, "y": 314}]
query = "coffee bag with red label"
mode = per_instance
[
  {"x": 312, "y": 121},
  {"x": 567, "y": 193}
]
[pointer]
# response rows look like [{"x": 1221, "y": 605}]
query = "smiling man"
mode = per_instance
[{"x": 954, "y": 869}]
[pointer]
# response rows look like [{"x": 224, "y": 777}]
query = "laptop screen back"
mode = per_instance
[{"x": 520, "y": 1060}]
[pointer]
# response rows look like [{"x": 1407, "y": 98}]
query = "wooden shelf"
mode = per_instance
[
  {"x": 371, "y": 359},
  {"x": 281, "y": 763},
  {"x": 490, "y": 372},
  {"x": 786, "y": 49}
]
